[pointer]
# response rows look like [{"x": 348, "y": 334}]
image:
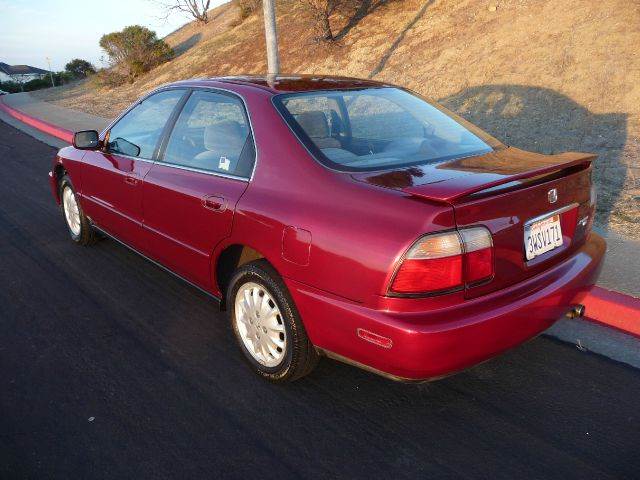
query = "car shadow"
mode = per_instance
[
  {"x": 545, "y": 121},
  {"x": 495, "y": 417}
]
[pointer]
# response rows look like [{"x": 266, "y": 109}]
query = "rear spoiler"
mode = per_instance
[{"x": 448, "y": 191}]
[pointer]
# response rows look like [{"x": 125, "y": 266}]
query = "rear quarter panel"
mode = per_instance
[{"x": 358, "y": 232}]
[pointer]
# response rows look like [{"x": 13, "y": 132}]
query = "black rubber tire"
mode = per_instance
[
  {"x": 301, "y": 357},
  {"x": 88, "y": 235}
]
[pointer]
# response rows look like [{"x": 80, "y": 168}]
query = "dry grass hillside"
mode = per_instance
[{"x": 544, "y": 75}]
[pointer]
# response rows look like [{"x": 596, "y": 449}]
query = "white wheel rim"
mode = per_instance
[
  {"x": 260, "y": 324},
  {"x": 71, "y": 210}
]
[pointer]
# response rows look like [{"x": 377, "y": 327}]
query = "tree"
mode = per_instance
[
  {"x": 79, "y": 68},
  {"x": 353, "y": 10},
  {"x": 135, "y": 50},
  {"x": 196, "y": 9},
  {"x": 322, "y": 10}
]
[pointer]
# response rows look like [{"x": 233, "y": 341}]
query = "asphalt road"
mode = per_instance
[{"x": 112, "y": 368}]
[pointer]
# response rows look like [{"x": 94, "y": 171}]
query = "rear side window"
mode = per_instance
[
  {"x": 375, "y": 129},
  {"x": 212, "y": 134},
  {"x": 137, "y": 133}
]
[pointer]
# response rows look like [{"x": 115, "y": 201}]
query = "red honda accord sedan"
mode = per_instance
[{"x": 340, "y": 217}]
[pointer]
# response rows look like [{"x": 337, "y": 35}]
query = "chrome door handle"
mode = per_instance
[{"x": 214, "y": 202}]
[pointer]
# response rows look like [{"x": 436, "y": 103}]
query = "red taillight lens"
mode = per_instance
[
  {"x": 433, "y": 263},
  {"x": 445, "y": 261},
  {"x": 417, "y": 276},
  {"x": 478, "y": 247},
  {"x": 479, "y": 265}
]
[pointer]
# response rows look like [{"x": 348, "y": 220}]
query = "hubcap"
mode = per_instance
[
  {"x": 71, "y": 210},
  {"x": 260, "y": 324}
]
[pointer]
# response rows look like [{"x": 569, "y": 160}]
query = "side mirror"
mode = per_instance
[{"x": 86, "y": 140}]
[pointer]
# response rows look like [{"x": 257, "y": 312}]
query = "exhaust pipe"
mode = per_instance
[{"x": 577, "y": 311}]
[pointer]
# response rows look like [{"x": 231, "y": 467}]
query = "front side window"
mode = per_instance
[
  {"x": 137, "y": 133},
  {"x": 375, "y": 129},
  {"x": 212, "y": 133}
]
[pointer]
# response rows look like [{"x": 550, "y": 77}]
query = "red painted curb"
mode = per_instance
[
  {"x": 46, "y": 127},
  {"x": 613, "y": 309},
  {"x": 603, "y": 306}
]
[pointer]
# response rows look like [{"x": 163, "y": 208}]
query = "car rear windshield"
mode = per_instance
[{"x": 375, "y": 129}]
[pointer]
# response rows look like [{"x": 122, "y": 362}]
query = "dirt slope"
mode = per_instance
[{"x": 539, "y": 74}]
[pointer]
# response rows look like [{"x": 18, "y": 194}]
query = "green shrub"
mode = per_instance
[
  {"x": 135, "y": 50},
  {"x": 37, "y": 84},
  {"x": 10, "y": 87},
  {"x": 79, "y": 68}
]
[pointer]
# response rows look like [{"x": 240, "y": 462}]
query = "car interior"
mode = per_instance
[
  {"x": 224, "y": 147},
  {"x": 211, "y": 134},
  {"x": 361, "y": 130},
  {"x": 340, "y": 148}
]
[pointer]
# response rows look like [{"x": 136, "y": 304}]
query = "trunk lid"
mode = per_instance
[{"x": 503, "y": 191}]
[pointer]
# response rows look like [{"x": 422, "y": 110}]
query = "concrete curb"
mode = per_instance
[
  {"x": 605, "y": 307},
  {"x": 46, "y": 127}
]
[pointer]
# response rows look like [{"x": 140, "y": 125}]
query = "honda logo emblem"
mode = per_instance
[{"x": 552, "y": 195}]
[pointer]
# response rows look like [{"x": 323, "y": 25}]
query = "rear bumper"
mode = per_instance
[{"x": 434, "y": 343}]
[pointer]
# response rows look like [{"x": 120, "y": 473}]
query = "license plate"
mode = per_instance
[{"x": 542, "y": 236}]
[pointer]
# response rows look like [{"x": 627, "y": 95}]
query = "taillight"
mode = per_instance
[
  {"x": 445, "y": 261},
  {"x": 434, "y": 262},
  {"x": 478, "y": 248}
]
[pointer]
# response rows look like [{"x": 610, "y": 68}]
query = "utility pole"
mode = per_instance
[
  {"x": 271, "y": 36},
  {"x": 50, "y": 72}
]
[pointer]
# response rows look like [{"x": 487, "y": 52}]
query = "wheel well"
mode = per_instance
[
  {"x": 230, "y": 259},
  {"x": 58, "y": 173}
]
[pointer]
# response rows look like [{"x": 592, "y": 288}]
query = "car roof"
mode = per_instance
[{"x": 290, "y": 83}]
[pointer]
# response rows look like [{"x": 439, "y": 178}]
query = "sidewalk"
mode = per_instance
[
  {"x": 620, "y": 273},
  {"x": 68, "y": 119}
]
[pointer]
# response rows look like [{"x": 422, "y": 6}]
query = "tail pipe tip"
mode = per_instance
[{"x": 577, "y": 311}]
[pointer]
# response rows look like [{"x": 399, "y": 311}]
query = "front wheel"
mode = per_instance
[
  {"x": 77, "y": 223},
  {"x": 267, "y": 325}
]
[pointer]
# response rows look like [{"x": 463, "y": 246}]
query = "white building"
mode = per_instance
[{"x": 20, "y": 73}]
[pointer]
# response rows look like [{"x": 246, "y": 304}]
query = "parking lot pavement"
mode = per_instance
[{"x": 112, "y": 368}]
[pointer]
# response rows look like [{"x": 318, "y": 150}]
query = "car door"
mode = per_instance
[
  {"x": 112, "y": 178},
  {"x": 190, "y": 193}
]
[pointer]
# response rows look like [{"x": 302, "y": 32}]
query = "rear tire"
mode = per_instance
[
  {"x": 267, "y": 324},
  {"x": 77, "y": 223}
]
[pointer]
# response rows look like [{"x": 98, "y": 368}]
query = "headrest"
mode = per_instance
[
  {"x": 227, "y": 136},
  {"x": 314, "y": 123}
]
